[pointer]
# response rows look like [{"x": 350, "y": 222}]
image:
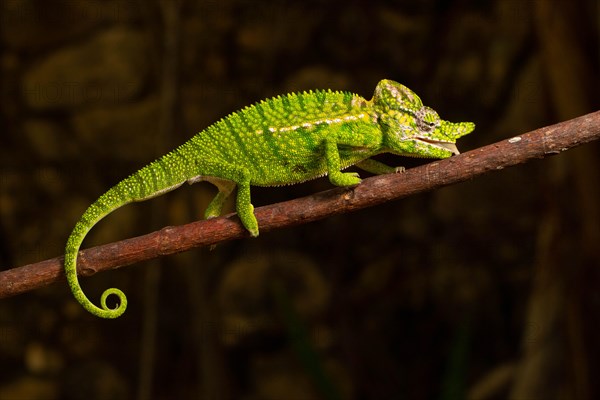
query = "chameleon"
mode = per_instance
[{"x": 283, "y": 140}]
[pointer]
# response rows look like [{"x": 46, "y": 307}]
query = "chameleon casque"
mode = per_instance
[{"x": 280, "y": 141}]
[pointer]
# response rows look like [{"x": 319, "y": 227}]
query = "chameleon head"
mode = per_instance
[{"x": 411, "y": 128}]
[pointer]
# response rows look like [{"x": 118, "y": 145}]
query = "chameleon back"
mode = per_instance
[{"x": 280, "y": 140}]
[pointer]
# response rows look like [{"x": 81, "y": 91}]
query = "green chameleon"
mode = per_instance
[{"x": 280, "y": 141}]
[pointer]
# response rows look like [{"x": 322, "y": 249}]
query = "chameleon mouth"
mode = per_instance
[{"x": 444, "y": 145}]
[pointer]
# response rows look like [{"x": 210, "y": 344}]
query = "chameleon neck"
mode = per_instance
[{"x": 161, "y": 176}]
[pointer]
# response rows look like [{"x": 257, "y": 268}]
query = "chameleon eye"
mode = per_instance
[
  {"x": 425, "y": 127},
  {"x": 427, "y": 119}
]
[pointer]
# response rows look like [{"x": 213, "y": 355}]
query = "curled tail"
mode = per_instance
[
  {"x": 91, "y": 216},
  {"x": 159, "y": 177}
]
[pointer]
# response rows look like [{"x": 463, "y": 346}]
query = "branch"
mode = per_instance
[{"x": 540, "y": 143}]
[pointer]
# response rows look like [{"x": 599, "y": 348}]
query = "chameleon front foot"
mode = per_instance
[
  {"x": 378, "y": 168},
  {"x": 344, "y": 178}
]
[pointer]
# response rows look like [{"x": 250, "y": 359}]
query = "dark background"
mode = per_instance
[{"x": 484, "y": 290}]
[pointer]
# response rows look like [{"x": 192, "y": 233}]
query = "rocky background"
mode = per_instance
[{"x": 484, "y": 290}]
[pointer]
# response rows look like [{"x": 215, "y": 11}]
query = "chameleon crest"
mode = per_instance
[{"x": 280, "y": 141}]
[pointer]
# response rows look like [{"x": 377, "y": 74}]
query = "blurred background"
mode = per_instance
[{"x": 488, "y": 289}]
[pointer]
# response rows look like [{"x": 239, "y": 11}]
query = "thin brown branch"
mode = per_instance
[{"x": 540, "y": 143}]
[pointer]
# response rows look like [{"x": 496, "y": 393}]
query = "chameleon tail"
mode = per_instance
[
  {"x": 159, "y": 177},
  {"x": 89, "y": 218}
]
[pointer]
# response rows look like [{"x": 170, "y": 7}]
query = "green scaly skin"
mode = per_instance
[{"x": 284, "y": 140}]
